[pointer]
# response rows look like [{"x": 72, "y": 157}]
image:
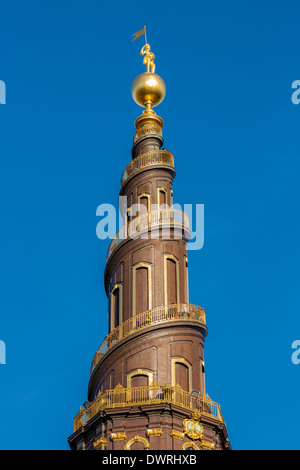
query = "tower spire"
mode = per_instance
[
  {"x": 148, "y": 90},
  {"x": 146, "y": 388}
]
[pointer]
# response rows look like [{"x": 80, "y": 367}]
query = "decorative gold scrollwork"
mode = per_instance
[
  {"x": 137, "y": 439},
  {"x": 193, "y": 428},
  {"x": 154, "y": 432},
  {"x": 100, "y": 442},
  {"x": 190, "y": 444},
  {"x": 177, "y": 434},
  {"x": 118, "y": 436},
  {"x": 207, "y": 445}
]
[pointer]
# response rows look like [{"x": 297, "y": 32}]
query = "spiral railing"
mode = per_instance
[
  {"x": 148, "y": 159},
  {"x": 166, "y": 218},
  {"x": 154, "y": 394},
  {"x": 155, "y": 316},
  {"x": 147, "y": 129}
]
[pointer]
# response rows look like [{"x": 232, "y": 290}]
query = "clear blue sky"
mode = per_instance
[{"x": 66, "y": 134}]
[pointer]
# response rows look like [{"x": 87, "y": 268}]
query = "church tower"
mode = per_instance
[{"x": 147, "y": 380}]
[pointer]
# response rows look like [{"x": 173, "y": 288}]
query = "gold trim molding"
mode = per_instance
[
  {"x": 118, "y": 436},
  {"x": 137, "y": 439},
  {"x": 100, "y": 442},
  {"x": 177, "y": 434},
  {"x": 193, "y": 429},
  {"x": 154, "y": 432},
  {"x": 190, "y": 444},
  {"x": 207, "y": 445}
]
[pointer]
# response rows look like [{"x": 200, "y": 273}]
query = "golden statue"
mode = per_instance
[
  {"x": 148, "y": 89},
  {"x": 149, "y": 58}
]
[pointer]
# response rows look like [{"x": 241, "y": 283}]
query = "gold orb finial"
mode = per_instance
[{"x": 148, "y": 89}]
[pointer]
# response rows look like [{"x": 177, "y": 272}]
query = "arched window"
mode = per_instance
[
  {"x": 139, "y": 380},
  {"x": 129, "y": 205},
  {"x": 181, "y": 373},
  {"x": 162, "y": 203},
  {"x": 143, "y": 204},
  {"x": 116, "y": 305},
  {"x": 162, "y": 198},
  {"x": 186, "y": 279},
  {"x": 143, "y": 444},
  {"x": 202, "y": 378},
  {"x": 116, "y": 314},
  {"x": 136, "y": 380},
  {"x": 111, "y": 379},
  {"x": 171, "y": 279},
  {"x": 144, "y": 207},
  {"x": 138, "y": 445},
  {"x": 190, "y": 446},
  {"x": 141, "y": 288}
]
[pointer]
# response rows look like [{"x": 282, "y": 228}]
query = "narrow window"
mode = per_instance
[
  {"x": 116, "y": 306},
  {"x": 171, "y": 281},
  {"x": 162, "y": 198},
  {"x": 144, "y": 209},
  {"x": 115, "y": 309},
  {"x": 144, "y": 205},
  {"x": 182, "y": 375},
  {"x": 186, "y": 281},
  {"x": 141, "y": 290}
]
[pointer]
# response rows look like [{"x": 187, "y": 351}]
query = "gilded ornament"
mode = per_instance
[
  {"x": 118, "y": 436},
  {"x": 177, "y": 434},
  {"x": 193, "y": 428},
  {"x": 207, "y": 445},
  {"x": 100, "y": 442},
  {"x": 137, "y": 439},
  {"x": 189, "y": 444},
  {"x": 154, "y": 432},
  {"x": 148, "y": 58},
  {"x": 148, "y": 90}
]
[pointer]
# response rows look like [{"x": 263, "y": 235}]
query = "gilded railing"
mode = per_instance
[
  {"x": 153, "y": 394},
  {"x": 166, "y": 313},
  {"x": 146, "y": 130},
  {"x": 167, "y": 217},
  {"x": 155, "y": 157}
]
